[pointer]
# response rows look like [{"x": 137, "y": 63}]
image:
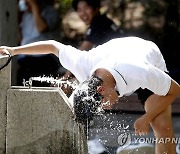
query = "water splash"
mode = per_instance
[
  {"x": 54, "y": 81},
  {"x": 109, "y": 123}
]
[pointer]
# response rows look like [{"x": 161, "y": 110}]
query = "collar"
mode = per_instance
[{"x": 121, "y": 83}]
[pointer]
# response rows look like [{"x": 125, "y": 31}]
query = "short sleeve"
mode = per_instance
[
  {"x": 76, "y": 61},
  {"x": 144, "y": 75},
  {"x": 157, "y": 81},
  {"x": 68, "y": 56}
]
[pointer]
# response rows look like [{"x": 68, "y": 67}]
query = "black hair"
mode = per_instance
[
  {"x": 87, "y": 100},
  {"x": 93, "y": 3}
]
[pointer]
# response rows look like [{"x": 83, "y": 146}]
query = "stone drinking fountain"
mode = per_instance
[{"x": 37, "y": 120}]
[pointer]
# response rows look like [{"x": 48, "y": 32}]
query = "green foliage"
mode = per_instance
[
  {"x": 65, "y": 3},
  {"x": 64, "y": 6}
]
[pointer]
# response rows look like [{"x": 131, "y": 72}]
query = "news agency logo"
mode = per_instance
[
  {"x": 153, "y": 140},
  {"x": 124, "y": 139}
]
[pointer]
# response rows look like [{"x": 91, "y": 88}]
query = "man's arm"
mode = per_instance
[
  {"x": 141, "y": 125},
  {"x": 86, "y": 45},
  {"x": 41, "y": 47},
  {"x": 163, "y": 102}
]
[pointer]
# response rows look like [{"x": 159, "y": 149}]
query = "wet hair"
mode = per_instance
[
  {"x": 93, "y": 3},
  {"x": 87, "y": 100}
]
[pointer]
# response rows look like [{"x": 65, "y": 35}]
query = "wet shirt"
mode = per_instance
[
  {"x": 101, "y": 30},
  {"x": 133, "y": 62}
]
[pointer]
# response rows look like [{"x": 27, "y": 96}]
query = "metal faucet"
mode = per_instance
[{"x": 27, "y": 83}]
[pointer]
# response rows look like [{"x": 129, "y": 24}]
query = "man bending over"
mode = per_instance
[{"x": 117, "y": 68}]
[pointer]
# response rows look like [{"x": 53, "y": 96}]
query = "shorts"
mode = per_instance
[{"x": 143, "y": 94}]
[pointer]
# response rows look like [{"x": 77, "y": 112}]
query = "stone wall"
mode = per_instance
[
  {"x": 8, "y": 22},
  {"x": 37, "y": 120},
  {"x": 8, "y": 36},
  {"x": 41, "y": 121},
  {"x": 8, "y": 28},
  {"x": 4, "y": 85}
]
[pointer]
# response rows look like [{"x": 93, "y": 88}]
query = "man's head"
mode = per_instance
[
  {"x": 87, "y": 99},
  {"x": 92, "y": 94},
  {"x": 86, "y": 9}
]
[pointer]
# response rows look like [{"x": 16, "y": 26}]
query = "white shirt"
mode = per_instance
[{"x": 133, "y": 62}]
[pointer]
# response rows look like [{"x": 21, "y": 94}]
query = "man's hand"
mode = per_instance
[
  {"x": 4, "y": 50},
  {"x": 142, "y": 125}
]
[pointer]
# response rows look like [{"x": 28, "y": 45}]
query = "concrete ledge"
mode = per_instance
[{"x": 41, "y": 121}]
